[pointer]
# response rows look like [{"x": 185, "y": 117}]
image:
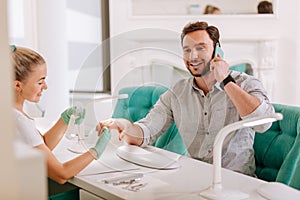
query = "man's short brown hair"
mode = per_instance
[{"x": 212, "y": 31}]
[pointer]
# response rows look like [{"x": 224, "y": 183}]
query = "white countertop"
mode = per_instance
[{"x": 185, "y": 182}]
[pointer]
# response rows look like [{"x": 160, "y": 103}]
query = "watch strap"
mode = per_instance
[{"x": 226, "y": 81}]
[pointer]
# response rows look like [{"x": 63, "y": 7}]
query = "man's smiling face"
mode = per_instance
[{"x": 197, "y": 51}]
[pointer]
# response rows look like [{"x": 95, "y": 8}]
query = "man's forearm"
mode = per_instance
[
  {"x": 243, "y": 101},
  {"x": 135, "y": 135}
]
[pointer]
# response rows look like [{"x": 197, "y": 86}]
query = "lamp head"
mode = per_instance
[
  {"x": 263, "y": 120},
  {"x": 108, "y": 98}
]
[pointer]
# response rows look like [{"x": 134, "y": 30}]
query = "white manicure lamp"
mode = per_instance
[
  {"x": 216, "y": 191},
  {"x": 79, "y": 147}
]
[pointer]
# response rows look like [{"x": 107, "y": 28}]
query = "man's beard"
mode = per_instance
[{"x": 204, "y": 72}]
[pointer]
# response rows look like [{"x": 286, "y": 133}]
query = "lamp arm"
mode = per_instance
[{"x": 224, "y": 132}]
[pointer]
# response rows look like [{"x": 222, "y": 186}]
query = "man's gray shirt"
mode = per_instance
[{"x": 200, "y": 117}]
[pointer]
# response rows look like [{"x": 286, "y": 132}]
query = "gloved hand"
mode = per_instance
[
  {"x": 102, "y": 142},
  {"x": 79, "y": 113}
]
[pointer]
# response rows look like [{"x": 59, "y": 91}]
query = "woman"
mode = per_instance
[
  {"x": 210, "y": 9},
  {"x": 30, "y": 74}
]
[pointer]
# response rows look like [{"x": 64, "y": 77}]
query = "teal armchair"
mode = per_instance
[
  {"x": 277, "y": 151},
  {"x": 243, "y": 67},
  {"x": 139, "y": 102}
]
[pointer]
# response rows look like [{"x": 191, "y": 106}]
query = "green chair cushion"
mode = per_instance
[
  {"x": 277, "y": 151},
  {"x": 239, "y": 67},
  {"x": 139, "y": 102}
]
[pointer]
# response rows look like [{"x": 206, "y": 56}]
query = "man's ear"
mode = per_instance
[{"x": 18, "y": 85}]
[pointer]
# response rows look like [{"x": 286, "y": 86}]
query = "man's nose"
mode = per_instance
[{"x": 194, "y": 54}]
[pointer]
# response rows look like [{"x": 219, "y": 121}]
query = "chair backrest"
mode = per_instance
[
  {"x": 277, "y": 151},
  {"x": 243, "y": 67},
  {"x": 139, "y": 102}
]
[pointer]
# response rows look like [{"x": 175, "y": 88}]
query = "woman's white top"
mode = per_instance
[{"x": 26, "y": 131}]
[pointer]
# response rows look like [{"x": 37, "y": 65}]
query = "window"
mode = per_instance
[
  {"x": 69, "y": 35},
  {"x": 85, "y": 29},
  {"x": 21, "y": 22},
  {"x": 85, "y": 47}
]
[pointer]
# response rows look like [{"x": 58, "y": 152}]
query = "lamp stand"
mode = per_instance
[
  {"x": 79, "y": 147},
  {"x": 216, "y": 191},
  {"x": 78, "y": 130}
]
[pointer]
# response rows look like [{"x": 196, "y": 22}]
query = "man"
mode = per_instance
[
  {"x": 265, "y": 7},
  {"x": 201, "y": 108}
]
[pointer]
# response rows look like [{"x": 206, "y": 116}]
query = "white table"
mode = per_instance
[{"x": 185, "y": 182}]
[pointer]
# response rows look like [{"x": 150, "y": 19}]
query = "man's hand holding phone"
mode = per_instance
[
  {"x": 218, "y": 51},
  {"x": 218, "y": 66}
]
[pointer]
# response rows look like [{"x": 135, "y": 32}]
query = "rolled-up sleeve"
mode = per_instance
[
  {"x": 146, "y": 133},
  {"x": 254, "y": 87},
  {"x": 263, "y": 109}
]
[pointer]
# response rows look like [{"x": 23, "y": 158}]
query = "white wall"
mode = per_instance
[
  {"x": 52, "y": 44},
  {"x": 284, "y": 28},
  {"x": 8, "y": 181},
  {"x": 16, "y": 171}
]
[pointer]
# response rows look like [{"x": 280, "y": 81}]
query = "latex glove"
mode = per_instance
[
  {"x": 102, "y": 142},
  {"x": 79, "y": 113}
]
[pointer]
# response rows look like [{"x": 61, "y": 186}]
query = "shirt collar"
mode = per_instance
[{"x": 195, "y": 86}]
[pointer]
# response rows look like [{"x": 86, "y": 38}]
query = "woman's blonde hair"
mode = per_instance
[
  {"x": 23, "y": 61},
  {"x": 210, "y": 9}
]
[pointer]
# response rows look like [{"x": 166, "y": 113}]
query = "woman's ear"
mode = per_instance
[{"x": 18, "y": 87}]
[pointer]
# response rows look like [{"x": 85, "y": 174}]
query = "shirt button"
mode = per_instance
[
  {"x": 207, "y": 133},
  {"x": 202, "y": 96},
  {"x": 209, "y": 151},
  {"x": 205, "y": 113}
]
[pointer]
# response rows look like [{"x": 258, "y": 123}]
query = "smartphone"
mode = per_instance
[{"x": 218, "y": 51}]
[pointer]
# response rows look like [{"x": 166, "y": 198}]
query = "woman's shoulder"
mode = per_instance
[
  {"x": 20, "y": 115},
  {"x": 26, "y": 130}
]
